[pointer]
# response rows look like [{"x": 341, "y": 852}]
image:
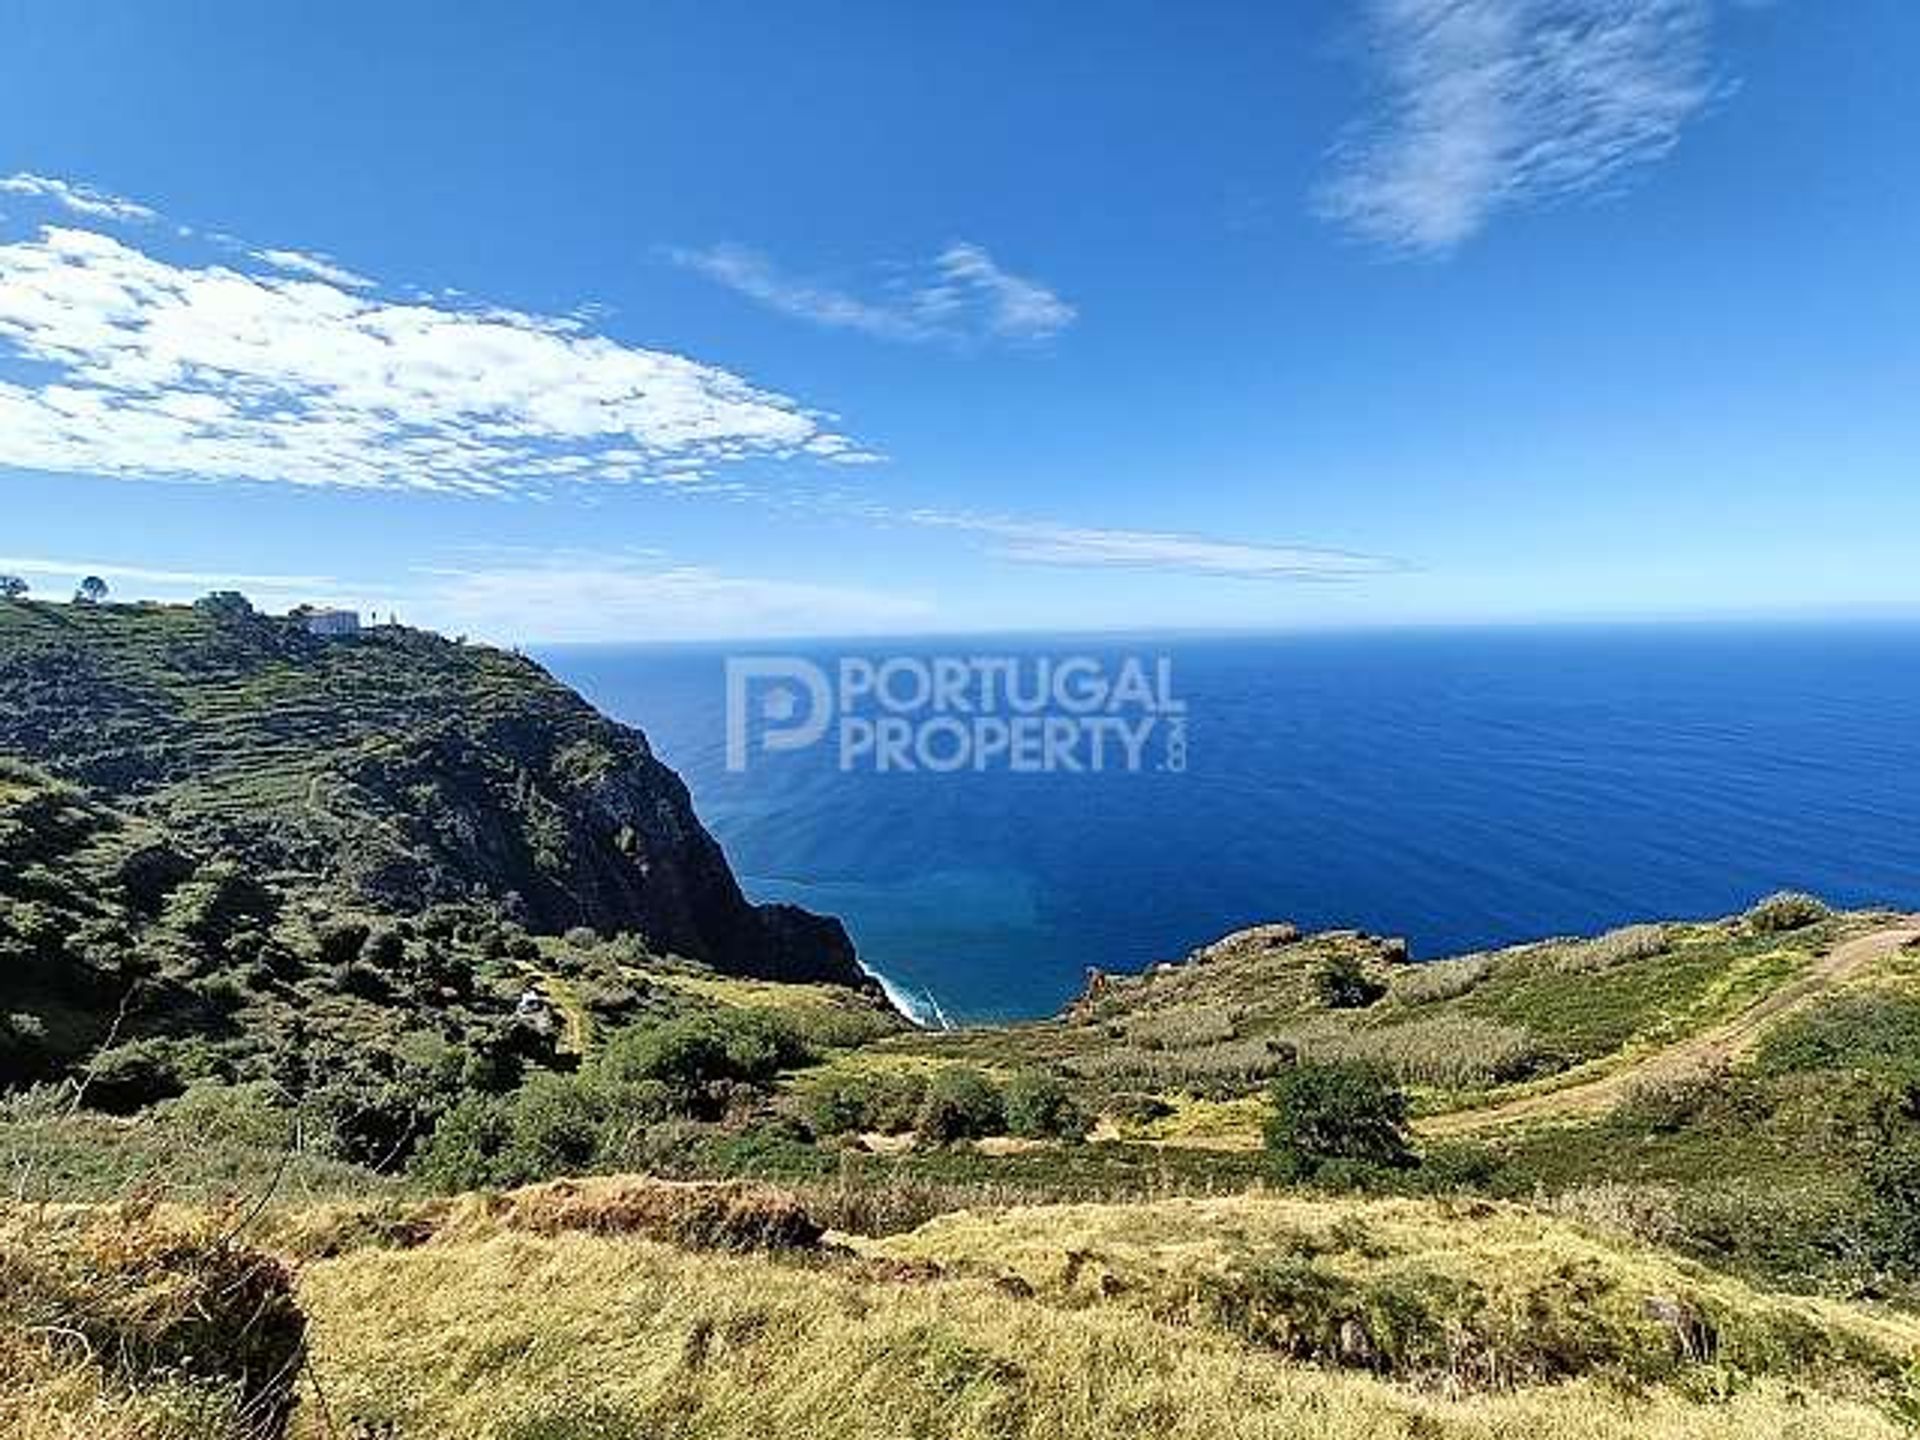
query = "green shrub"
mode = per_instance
[
  {"x": 384, "y": 948},
  {"x": 1447, "y": 1048},
  {"x": 246, "y": 1115},
  {"x": 1344, "y": 984},
  {"x": 464, "y": 1152},
  {"x": 1038, "y": 1107},
  {"x": 1718, "y": 1098},
  {"x": 1893, "y": 1182},
  {"x": 339, "y": 942},
  {"x": 838, "y": 1104},
  {"x": 131, "y": 1077},
  {"x": 554, "y": 1125},
  {"x": 1868, "y": 1030},
  {"x": 694, "y": 1055},
  {"x": 833, "y": 1027},
  {"x": 960, "y": 1104},
  {"x": 1787, "y": 910},
  {"x": 1341, "y": 1112}
]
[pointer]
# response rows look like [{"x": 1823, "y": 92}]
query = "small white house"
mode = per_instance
[{"x": 333, "y": 622}]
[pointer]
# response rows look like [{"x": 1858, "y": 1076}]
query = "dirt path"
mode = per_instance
[{"x": 1728, "y": 1040}]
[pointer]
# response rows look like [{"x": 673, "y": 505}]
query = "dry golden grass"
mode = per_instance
[
  {"x": 698, "y": 1215},
  {"x": 1051, "y": 1323},
  {"x": 1515, "y": 1289},
  {"x": 122, "y": 1324},
  {"x": 516, "y": 1338}
]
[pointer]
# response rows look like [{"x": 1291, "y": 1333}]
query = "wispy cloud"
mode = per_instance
[
  {"x": 68, "y": 570},
  {"x": 595, "y": 596},
  {"x": 317, "y": 267},
  {"x": 79, "y": 199},
  {"x": 962, "y": 295},
  {"x": 517, "y": 596},
  {"x": 1040, "y": 542},
  {"x": 116, "y": 360},
  {"x": 1488, "y": 105}
]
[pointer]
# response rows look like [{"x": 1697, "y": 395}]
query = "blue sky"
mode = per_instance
[{"x": 711, "y": 320}]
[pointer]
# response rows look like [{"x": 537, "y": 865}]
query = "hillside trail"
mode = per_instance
[{"x": 1717, "y": 1044}]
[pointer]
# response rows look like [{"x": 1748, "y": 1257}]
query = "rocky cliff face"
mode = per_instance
[{"x": 400, "y": 765}]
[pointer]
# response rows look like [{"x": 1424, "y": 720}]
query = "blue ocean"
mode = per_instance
[{"x": 1464, "y": 789}]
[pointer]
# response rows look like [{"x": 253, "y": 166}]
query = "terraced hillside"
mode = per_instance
[{"x": 396, "y": 766}]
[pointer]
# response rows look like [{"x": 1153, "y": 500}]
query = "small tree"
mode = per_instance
[
  {"x": 961, "y": 1104},
  {"x": 1344, "y": 983},
  {"x": 12, "y": 587},
  {"x": 1039, "y": 1108},
  {"x": 1786, "y": 910},
  {"x": 224, "y": 605},
  {"x": 91, "y": 592},
  {"x": 1324, "y": 1114}
]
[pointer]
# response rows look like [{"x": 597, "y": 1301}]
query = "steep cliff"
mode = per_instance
[{"x": 403, "y": 767}]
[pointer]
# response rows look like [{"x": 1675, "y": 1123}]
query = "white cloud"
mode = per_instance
[
  {"x": 70, "y": 570},
  {"x": 513, "y": 596},
  {"x": 137, "y": 365},
  {"x": 1008, "y": 305},
  {"x": 80, "y": 199},
  {"x": 1492, "y": 104},
  {"x": 601, "y": 597},
  {"x": 962, "y": 295},
  {"x": 317, "y": 267},
  {"x": 1077, "y": 546}
]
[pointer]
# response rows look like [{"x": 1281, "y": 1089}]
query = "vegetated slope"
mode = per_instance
[
  {"x": 1714, "y": 1045},
  {"x": 397, "y": 766},
  {"x": 1256, "y": 1316},
  {"x": 134, "y": 972},
  {"x": 1478, "y": 1033}
]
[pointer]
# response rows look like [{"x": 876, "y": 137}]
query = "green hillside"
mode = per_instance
[
  {"x": 393, "y": 766},
  {"x": 364, "y": 1073}
]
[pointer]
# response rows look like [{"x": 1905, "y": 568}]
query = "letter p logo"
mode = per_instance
[{"x": 794, "y": 704}]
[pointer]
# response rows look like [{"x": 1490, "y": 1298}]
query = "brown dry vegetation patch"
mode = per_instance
[{"x": 696, "y": 1215}]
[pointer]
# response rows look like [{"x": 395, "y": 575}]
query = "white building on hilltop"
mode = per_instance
[{"x": 333, "y": 622}]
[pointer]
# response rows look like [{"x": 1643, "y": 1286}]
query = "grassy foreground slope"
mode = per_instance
[{"x": 509, "y": 1337}]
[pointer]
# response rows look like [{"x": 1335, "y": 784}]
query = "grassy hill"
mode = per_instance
[
  {"x": 394, "y": 766},
  {"x": 317, "y": 1121}
]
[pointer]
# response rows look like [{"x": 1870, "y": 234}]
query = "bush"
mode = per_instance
[
  {"x": 246, "y": 1115},
  {"x": 1448, "y": 1048},
  {"x": 1893, "y": 1181},
  {"x": 960, "y": 1104},
  {"x": 131, "y": 1077},
  {"x": 1344, "y": 984},
  {"x": 1038, "y": 1107},
  {"x": 1438, "y": 980},
  {"x": 1868, "y": 1030},
  {"x": 1716, "y": 1098},
  {"x": 464, "y": 1152},
  {"x": 384, "y": 948},
  {"x": 697, "y": 1056},
  {"x": 553, "y": 1128},
  {"x": 1616, "y": 947},
  {"x": 1342, "y": 1112},
  {"x": 884, "y": 1101},
  {"x": 1785, "y": 911},
  {"x": 340, "y": 941}
]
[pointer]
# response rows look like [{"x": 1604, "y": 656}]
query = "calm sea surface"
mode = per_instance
[{"x": 1464, "y": 789}]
